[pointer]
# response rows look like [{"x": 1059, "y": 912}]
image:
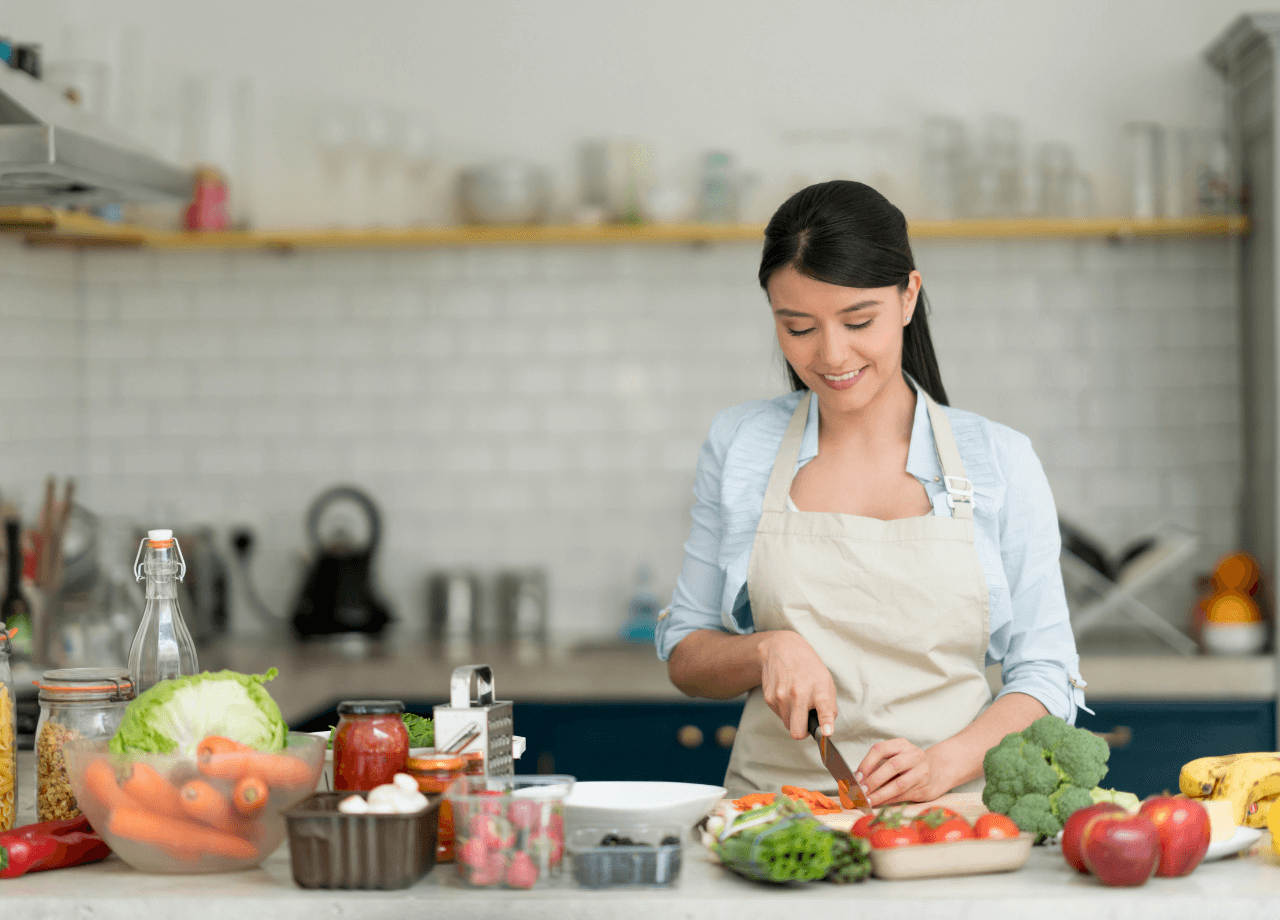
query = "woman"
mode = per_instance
[{"x": 857, "y": 548}]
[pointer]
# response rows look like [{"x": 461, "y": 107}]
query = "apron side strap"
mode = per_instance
[
  {"x": 784, "y": 466},
  {"x": 959, "y": 487}
]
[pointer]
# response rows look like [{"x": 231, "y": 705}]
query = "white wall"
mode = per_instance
[
  {"x": 531, "y": 79},
  {"x": 545, "y": 405}
]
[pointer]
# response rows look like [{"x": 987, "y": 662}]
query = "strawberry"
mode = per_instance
[
  {"x": 491, "y": 872},
  {"x": 524, "y": 814},
  {"x": 522, "y": 873},
  {"x": 473, "y": 853},
  {"x": 545, "y": 848}
]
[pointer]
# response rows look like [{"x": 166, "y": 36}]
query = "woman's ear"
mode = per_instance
[{"x": 910, "y": 297}]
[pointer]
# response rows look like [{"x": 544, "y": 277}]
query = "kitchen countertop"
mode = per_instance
[
  {"x": 1240, "y": 888},
  {"x": 313, "y": 677}
]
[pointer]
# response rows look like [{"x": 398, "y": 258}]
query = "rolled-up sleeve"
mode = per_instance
[
  {"x": 1041, "y": 660},
  {"x": 695, "y": 603}
]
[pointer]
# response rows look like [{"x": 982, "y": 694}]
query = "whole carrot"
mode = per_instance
[
  {"x": 158, "y": 830},
  {"x": 100, "y": 780},
  {"x": 216, "y": 744},
  {"x": 249, "y": 796},
  {"x": 272, "y": 769},
  {"x": 204, "y": 803},
  {"x": 153, "y": 792}
]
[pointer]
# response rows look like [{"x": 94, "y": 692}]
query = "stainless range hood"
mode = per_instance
[{"x": 53, "y": 153}]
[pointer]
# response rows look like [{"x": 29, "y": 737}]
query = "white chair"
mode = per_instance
[{"x": 1099, "y": 597}]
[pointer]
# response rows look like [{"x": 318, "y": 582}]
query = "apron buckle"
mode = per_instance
[{"x": 957, "y": 493}]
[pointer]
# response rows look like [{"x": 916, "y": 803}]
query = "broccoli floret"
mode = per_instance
[
  {"x": 1005, "y": 768},
  {"x": 1034, "y": 813},
  {"x": 1040, "y": 776},
  {"x": 1048, "y": 732},
  {"x": 1069, "y": 799},
  {"x": 997, "y": 801},
  {"x": 1082, "y": 758}
]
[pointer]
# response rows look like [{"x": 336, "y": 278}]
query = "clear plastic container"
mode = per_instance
[
  {"x": 75, "y": 704},
  {"x": 626, "y": 856},
  {"x": 162, "y": 647},
  {"x": 8, "y": 737},
  {"x": 509, "y": 830}
]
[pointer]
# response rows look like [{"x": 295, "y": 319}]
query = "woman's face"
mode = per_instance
[{"x": 844, "y": 343}]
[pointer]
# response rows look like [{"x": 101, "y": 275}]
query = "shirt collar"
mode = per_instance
[{"x": 922, "y": 455}]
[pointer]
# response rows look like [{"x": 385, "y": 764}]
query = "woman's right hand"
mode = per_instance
[{"x": 794, "y": 680}]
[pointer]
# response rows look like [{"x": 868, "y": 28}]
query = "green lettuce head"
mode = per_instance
[{"x": 176, "y": 715}]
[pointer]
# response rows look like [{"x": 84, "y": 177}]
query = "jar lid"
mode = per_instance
[
  {"x": 435, "y": 763},
  {"x": 87, "y": 684},
  {"x": 370, "y": 707}
]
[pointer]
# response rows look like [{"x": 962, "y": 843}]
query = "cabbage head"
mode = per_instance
[{"x": 176, "y": 715}]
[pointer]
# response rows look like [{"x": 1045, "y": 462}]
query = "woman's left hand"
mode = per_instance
[{"x": 898, "y": 771}]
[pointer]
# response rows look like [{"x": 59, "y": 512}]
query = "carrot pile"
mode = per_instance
[
  {"x": 818, "y": 803},
  {"x": 189, "y": 816}
]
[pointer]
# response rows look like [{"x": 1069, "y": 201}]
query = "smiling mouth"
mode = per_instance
[{"x": 848, "y": 376}]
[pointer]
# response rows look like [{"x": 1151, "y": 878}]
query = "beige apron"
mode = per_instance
[{"x": 896, "y": 610}]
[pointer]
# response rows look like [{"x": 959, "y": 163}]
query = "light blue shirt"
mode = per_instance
[{"x": 1015, "y": 535}]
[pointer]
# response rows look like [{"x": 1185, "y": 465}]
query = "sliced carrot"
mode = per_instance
[
  {"x": 754, "y": 800},
  {"x": 249, "y": 796},
  {"x": 100, "y": 780},
  {"x": 818, "y": 803},
  {"x": 171, "y": 833},
  {"x": 153, "y": 792},
  {"x": 216, "y": 744},
  {"x": 846, "y": 801},
  {"x": 206, "y": 804}
]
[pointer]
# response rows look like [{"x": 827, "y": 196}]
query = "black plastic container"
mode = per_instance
[{"x": 329, "y": 849}]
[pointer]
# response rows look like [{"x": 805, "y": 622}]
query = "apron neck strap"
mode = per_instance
[
  {"x": 959, "y": 488},
  {"x": 784, "y": 466}
]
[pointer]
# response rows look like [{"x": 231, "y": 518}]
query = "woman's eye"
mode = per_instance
[
  {"x": 799, "y": 332},
  {"x": 858, "y": 326}
]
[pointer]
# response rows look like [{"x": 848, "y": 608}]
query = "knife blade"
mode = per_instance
[{"x": 851, "y": 794}]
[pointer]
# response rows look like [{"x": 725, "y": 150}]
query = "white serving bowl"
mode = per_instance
[
  {"x": 1234, "y": 638},
  {"x": 614, "y": 803}
]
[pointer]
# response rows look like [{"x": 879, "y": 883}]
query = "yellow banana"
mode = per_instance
[
  {"x": 1247, "y": 781},
  {"x": 1200, "y": 778}
]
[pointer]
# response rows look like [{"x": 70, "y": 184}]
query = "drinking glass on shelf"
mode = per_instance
[
  {"x": 998, "y": 179},
  {"x": 945, "y": 169},
  {"x": 1144, "y": 170},
  {"x": 1056, "y": 174}
]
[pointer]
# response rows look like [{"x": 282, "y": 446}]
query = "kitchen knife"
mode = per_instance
[{"x": 850, "y": 791}]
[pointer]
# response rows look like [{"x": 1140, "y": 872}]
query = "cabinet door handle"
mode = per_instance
[
  {"x": 1118, "y": 737},
  {"x": 725, "y": 735},
  {"x": 689, "y": 736}
]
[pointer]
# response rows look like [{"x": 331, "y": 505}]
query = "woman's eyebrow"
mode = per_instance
[{"x": 860, "y": 305}]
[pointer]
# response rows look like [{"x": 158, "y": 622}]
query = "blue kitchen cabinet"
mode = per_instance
[
  {"x": 626, "y": 740},
  {"x": 1152, "y": 739}
]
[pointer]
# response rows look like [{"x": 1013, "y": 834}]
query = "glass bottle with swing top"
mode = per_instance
[{"x": 162, "y": 647}]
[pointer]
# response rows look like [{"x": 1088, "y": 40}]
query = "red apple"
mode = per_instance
[
  {"x": 1183, "y": 829},
  {"x": 1119, "y": 848},
  {"x": 1072, "y": 829}
]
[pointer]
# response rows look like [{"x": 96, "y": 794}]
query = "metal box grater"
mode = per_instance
[{"x": 476, "y": 710}]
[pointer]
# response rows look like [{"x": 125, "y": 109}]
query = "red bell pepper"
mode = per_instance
[{"x": 50, "y": 845}]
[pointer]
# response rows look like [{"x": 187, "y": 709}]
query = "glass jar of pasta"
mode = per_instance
[
  {"x": 75, "y": 703},
  {"x": 8, "y": 737}
]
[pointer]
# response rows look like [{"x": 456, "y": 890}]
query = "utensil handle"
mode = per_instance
[{"x": 813, "y": 722}]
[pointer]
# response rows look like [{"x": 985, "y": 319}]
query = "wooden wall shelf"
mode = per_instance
[{"x": 46, "y": 227}]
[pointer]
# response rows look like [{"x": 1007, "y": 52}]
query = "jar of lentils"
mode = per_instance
[{"x": 75, "y": 703}]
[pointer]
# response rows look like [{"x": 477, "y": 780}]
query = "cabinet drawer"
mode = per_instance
[{"x": 1163, "y": 735}]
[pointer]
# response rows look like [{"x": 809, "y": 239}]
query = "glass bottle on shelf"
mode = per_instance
[
  {"x": 15, "y": 606},
  {"x": 162, "y": 648}
]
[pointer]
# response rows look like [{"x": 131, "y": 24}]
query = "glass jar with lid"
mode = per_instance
[
  {"x": 370, "y": 745},
  {"x": 8, "y": 737},
  {"x": 75, "y": 703},
  {"x": 435, "y": 773}
]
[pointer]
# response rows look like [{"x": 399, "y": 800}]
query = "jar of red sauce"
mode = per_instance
[
  {"x": 371, "y": 744},
  {"x": 435, "y": 773}
]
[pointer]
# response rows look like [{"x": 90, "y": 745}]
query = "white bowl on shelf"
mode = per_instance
[
  {"x": 1234, "y": 638},
  {"x": 608, "y": 804}
]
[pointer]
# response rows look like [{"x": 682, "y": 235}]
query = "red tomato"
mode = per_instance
[
  {"x": 992, "y": 825},
  {"x": 862, "y": 827},
  {"x": 884, "y": 837},
  {"x": 947, "y": 831}
]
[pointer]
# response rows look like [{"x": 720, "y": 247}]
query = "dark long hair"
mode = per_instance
[{"x": 849, "y": 234}]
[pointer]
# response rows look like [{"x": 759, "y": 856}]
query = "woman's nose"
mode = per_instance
[{"x": 832, "y": 350}]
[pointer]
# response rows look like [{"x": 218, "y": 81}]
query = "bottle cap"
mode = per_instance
[{"x": 159, "y": 536}]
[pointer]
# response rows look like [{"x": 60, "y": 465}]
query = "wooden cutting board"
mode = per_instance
[{"x": 968, "y": 804}]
